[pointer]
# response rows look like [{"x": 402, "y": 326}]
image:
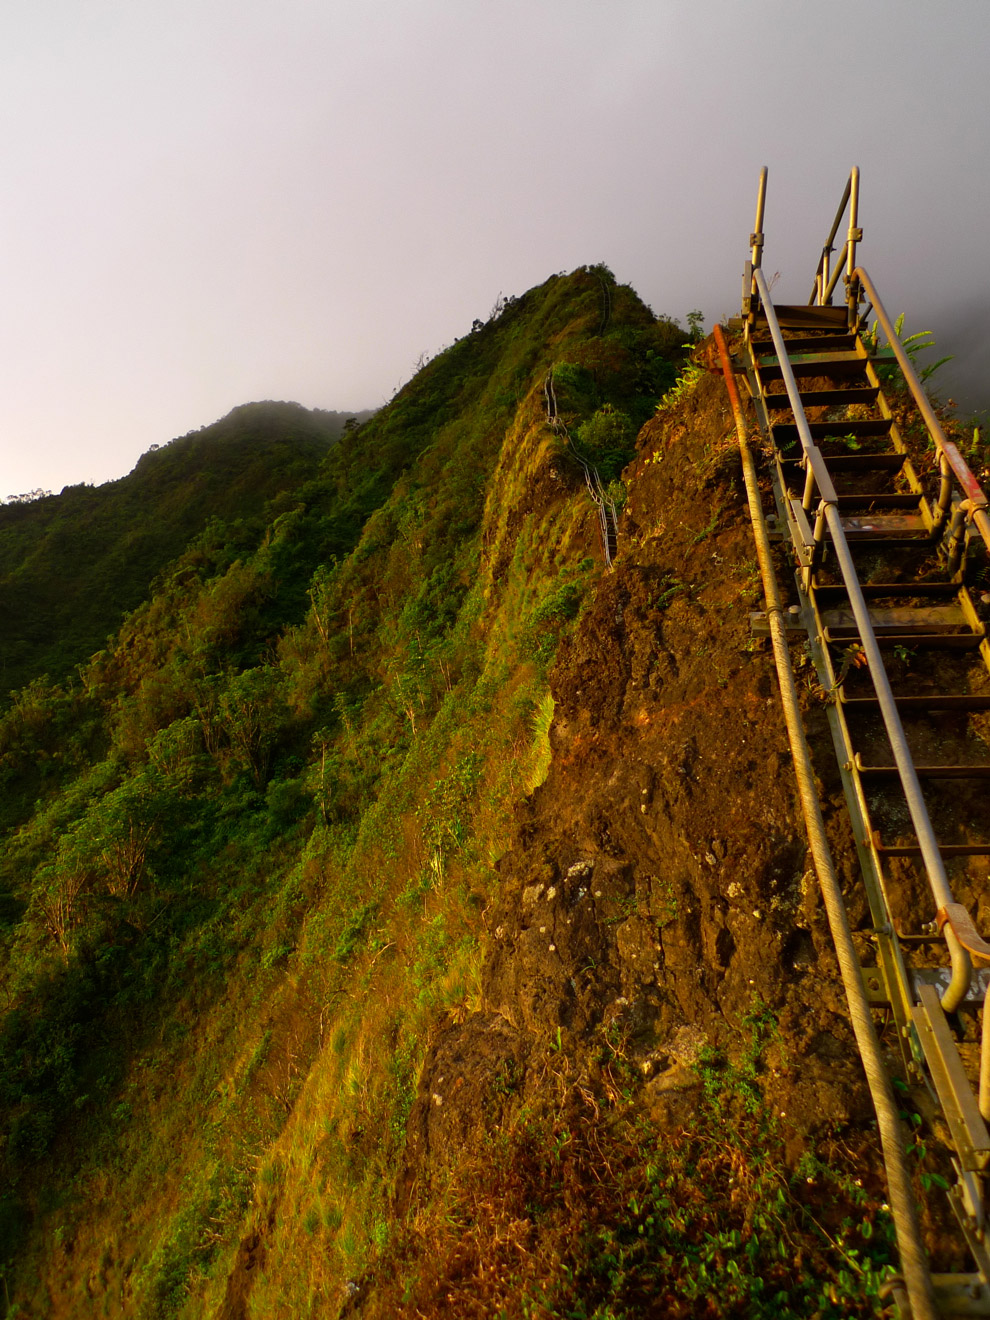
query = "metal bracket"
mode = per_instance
[
  {"x": 759, "y": 624},
  {"x": 964, "y": 1197},
  {"x": 747, "y": 291},
  {"x": 801, "y": 533},
  {"x": 961, "y": 1294},
  {"x": 873, "y": 984}
]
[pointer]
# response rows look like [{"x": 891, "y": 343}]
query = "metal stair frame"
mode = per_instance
[
  {"x": 960, "y": 511},
  {"x": 819, "y": 481}
]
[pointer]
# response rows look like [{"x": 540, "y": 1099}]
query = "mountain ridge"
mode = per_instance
[
  {"x": 74, "y": 563},
  {"x": 394, "y": 919}
]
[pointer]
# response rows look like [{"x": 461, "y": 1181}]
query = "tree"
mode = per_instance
[
  {"x": 606, "y": 440},
  {"x": 62, "y": 893},
  {"x": 251, "y": 708}
]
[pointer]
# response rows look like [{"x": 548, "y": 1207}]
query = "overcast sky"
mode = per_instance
[{"x": 206, "y": 202}]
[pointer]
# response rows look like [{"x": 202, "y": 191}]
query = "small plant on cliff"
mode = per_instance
[
  {"x": 696, "y": 326},
  {"x": 580, "y": 1208},
  {"x": 914, "y": 344},
  {"x": 548, "y": 622},
  {"x": 685, "y": 384}
]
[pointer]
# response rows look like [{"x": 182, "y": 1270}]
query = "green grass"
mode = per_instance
[{"x": 263, "y": 820}]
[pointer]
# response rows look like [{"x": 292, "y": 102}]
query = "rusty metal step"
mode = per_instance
[
  {"x": 822, "y": 343},
  {"x": 858, "y": 526},
  {"x": 932, "y": 626},
  {"x": 881, "y": 531},
  {"x": 912, "y": 641},
  {"x": 875, "y": 590},
  {"x": 888, "y": 462},
  {"x": 858, "y": 428},
  {"x": 878, "y": 590},
  {"x": 826, "y": 398},
  {"x": 946, "y": 849},
  {"x": 800, "y": 316},
  {"x": 815, "y": 364}
]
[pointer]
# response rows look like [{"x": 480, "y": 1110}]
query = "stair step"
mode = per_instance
[
  {"x": 924, "y": 771},
  {"x": 935, "y": 701},
  {"x": 889, "y": 462},
  {"x": 878, "y": 530},
  {"x": 837, "y": 591},
  {"x": 826, "y": 398},
  {"x": 860, "y": 427},
  {"x": 932, "y": 640},
  {"x": 814, "y": 357},
  {"x": 807, "y": 317},
  {"x": 899, "y": 619},
  {"x": 815, "y": 364},
  {"x": 864, "y": 526},
  {"x": 913, "y": 641},
  {"x": 823, "y": 343},
  {"x": 877, "y": 543},
  {"x": 880, "y": 500},
  {"x": 946, "y": 849}
]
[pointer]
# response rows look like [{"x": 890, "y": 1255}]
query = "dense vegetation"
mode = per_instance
[
  {"x": 74, "y": 564},
  {"x": 293, "y": 762}
]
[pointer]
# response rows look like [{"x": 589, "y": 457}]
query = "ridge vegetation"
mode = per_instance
[
  {"x": 74, "y": 564},
  {"x": 248, "y": 846},
  {"x": 400, "y": 915}
]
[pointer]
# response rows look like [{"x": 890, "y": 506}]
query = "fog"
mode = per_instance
[{"x": 211, "y": 202}]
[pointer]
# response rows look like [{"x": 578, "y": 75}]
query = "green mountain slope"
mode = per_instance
[
  {"x": 293, "y": 764},
  {"x": 72, "y": 565}
]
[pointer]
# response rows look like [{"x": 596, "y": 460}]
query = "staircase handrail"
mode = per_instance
[
  {"x": 829, "y": 514},
  {"x": 821, "y": 294},
  {"x": 974, "y": 505},
  {"x": 975, "y": 502},
  {"x": 609, "y": 530}
]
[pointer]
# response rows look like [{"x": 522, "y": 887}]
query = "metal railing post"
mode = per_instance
[
  {"x": 855, "y": 235},
  {"x": 822, "y": 292},
  {"x": 756, "y": 237}
]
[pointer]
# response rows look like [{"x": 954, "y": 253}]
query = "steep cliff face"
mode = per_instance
[
  {"x": 662, "y": 1068},
  {"x": 670, "y": 783},
  {"x": 251, "y": 871}
]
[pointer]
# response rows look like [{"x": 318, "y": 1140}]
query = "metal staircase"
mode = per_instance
[
  {"x": 888, "y": 531},
  {"x": 608, "y": 514}
]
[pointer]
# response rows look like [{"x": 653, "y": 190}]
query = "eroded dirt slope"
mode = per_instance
[{"x": 657, "y": 900}]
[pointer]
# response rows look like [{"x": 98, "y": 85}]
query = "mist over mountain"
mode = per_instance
[{"x": 963, "y": 334}]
